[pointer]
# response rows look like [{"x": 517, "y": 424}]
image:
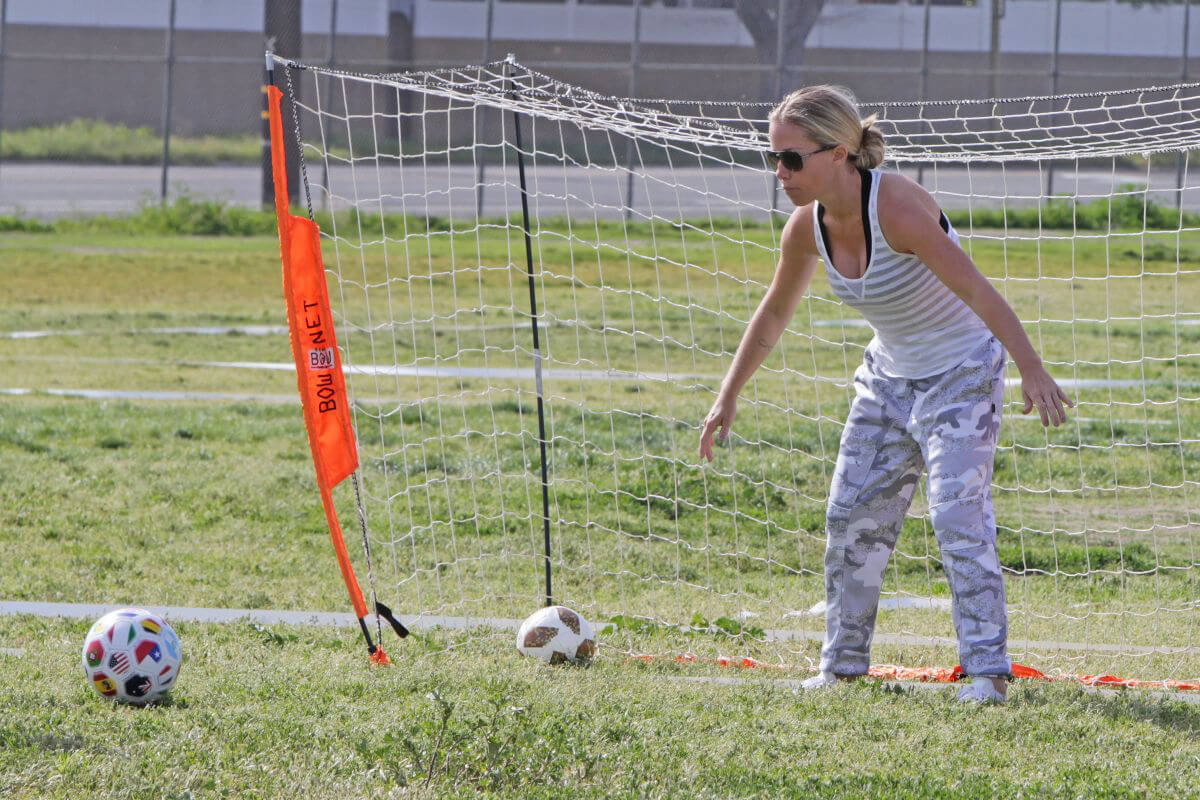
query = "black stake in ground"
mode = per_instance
[{"x": 533, "y": 318}]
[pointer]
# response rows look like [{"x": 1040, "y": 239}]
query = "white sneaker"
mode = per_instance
[
  {"x": 822, "y": 680},
  {"x": 980, "y": 690}
]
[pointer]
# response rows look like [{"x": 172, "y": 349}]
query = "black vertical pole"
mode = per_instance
[
  {"x": 168, "y": 79},
  {"x": 268, "y": 182},
  {"x": 281, "y": 31},
  {"x": 533, "y": 318}
]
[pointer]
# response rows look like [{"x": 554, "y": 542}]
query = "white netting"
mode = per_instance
[{"x": 653, "y": 234}]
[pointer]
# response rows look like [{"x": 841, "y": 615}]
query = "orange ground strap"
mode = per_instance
[
  {"x": 891, "y": 672},
  {"x": 319, "y": 375}
]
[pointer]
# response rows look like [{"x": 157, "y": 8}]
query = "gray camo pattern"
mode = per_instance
[{"x": 896, "y": 428}]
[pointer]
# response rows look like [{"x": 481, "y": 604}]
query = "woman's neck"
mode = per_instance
[{"x": 844, "y": 202}]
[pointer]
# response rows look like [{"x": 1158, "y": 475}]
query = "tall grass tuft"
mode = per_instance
[{"x": 1127, "y": 208}]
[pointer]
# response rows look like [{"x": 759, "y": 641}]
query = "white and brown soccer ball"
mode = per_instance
[
  {"x": 132, "y": 656},
  {"x": 557, "y": 635}
]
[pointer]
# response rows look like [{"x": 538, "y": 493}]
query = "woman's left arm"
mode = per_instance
[{"x": 913, "y": 226}]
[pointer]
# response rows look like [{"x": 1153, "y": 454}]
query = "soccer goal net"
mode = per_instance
[{"x": 538, "y": 289}]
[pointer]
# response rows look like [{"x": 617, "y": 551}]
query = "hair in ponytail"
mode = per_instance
[
  {"x": 829, "y": 116},
  {"x": 871, "y": 147}
]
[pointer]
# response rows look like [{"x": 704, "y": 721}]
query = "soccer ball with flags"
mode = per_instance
[
  {"x": 131, "y": 656},
  {"x": 556, "y": 634}
]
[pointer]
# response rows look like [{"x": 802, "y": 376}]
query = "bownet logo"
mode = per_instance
[{"x": 320, "y": 359}]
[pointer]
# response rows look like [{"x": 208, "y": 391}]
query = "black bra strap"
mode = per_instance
[{"x": 865, "y": 175}]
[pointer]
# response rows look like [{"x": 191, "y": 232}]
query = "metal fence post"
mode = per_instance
[
  {"x": 1183, "y": 78},
  {"x": 996, "y": 8},
  {"x": 331, "y": 54},
  {"x": 779, "y": 10},
  {"x": 924, "y": 81},
  {"x": 166, "y": 114},
  {"x": 634, "y": 61},
  {"x": 3, "y": 52},
  {"x": 1054, "y": 84},
  {"x": 487, "y": 56}
]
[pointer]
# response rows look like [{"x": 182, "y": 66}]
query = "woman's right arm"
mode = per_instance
[{"x": 797, "y": 263}]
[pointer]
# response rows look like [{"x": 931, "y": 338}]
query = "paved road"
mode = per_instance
[{"x": 53, "y": 190}]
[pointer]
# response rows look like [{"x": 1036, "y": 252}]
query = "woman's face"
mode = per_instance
[{"x": 809, "y": 182}]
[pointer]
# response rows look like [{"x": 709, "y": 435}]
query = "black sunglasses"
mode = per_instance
[{"x": 791, "y": 160}]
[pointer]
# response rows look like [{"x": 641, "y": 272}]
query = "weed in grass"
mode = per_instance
[
  {"x": 270, "y": 636},
  {"x": 494, "y": 749}
]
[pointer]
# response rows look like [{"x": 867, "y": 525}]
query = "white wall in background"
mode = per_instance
[{"x": 1088, "y": 28}]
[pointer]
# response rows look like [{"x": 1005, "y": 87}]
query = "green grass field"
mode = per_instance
[
  {"x": 265, "y": 713},
  {"x": 212, "y": 503}
]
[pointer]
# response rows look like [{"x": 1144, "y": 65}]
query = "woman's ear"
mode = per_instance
[{"x": 841, "y": 154}]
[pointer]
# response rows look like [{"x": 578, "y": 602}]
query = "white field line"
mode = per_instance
[
  {"x": 281, "y": 330},
  {"x": 245, "y": 330},
  {"x": 1072, "y": 418},
  {"x": 892, "y": 602},
  {"x": 600, "y": 375},
  {"x": 15, "y": 652},
  {"x": 292, "y": 399},
  {"x": 527, "y": 373},
  {"x": 128, "y": 394},
  {"x": 419, "y": 371},
  {"x": 794, "y": 685},
  {"x": 858, "y": 322},
  {"x": 429, "y": 622},
  {"x": 334, "y": 619}
]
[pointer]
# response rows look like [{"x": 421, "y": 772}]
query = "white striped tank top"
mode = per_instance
[{"x": 921, "y": 327}]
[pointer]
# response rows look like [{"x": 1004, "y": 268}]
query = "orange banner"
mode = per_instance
[{"x": 319, "y": 373}]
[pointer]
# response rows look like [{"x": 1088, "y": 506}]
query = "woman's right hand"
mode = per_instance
[{"x": 721, "y": 415}]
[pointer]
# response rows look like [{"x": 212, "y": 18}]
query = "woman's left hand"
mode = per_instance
[{"x": 1039, "y": 389}]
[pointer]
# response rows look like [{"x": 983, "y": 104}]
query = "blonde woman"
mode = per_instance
[{"x": 928, "y": 394}]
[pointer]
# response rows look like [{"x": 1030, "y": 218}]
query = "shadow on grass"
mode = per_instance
[
  {"x": 1132, "y": 704},
  {"x": 1123, "y": 705}
]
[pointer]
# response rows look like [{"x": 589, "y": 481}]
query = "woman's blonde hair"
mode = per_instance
[{"x": 829, "y": 116}]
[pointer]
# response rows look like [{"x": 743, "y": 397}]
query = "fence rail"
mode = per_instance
[{"x": 179, "y": 73}]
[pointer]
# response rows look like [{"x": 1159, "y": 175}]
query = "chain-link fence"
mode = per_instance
[{"x": 103, "y": 106}]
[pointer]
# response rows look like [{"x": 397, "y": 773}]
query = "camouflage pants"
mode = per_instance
[{"x": 947, "y": 422}]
